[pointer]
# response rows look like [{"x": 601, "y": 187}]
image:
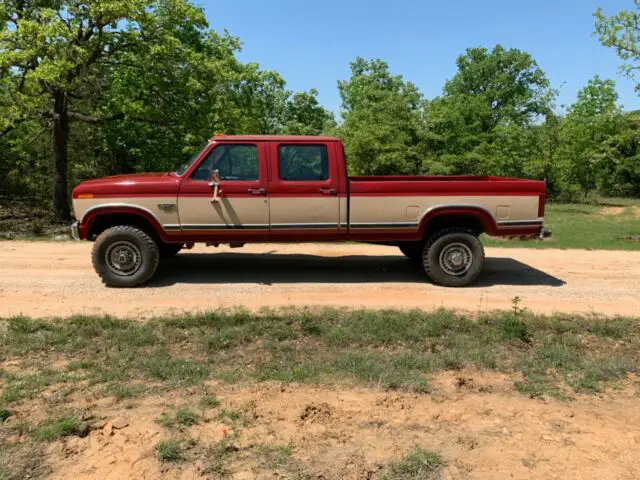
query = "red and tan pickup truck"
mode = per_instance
[{"x": 242, "y": 189}]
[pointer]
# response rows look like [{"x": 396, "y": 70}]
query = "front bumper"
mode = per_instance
[{"x": 75, "y": 233}]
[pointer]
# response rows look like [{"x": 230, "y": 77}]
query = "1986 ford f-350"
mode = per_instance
[{"x": 241, "y": 189}]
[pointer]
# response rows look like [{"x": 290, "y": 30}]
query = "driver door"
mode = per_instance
[{"x": 242, "y": 206}]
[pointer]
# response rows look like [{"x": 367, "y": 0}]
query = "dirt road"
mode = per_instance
[{"x": 56, "y": 278}]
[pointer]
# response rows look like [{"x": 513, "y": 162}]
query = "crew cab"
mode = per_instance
[{"x": 242, "y": 189}]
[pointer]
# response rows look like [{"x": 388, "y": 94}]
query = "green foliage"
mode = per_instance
[
  {"x": 484, "y": 121},
  {"x": 170, "y": 451},
  {"x": 381, "y": 120},
  {"x": 419, "y": 464},
  {"x": 209, "y": 401},
  {"x": 592, "y": 121},
  {"x": 121, "y": 86},
  {"x": 396, "y": 350},
  {"x": 622, "y": 33},
  {"x": 53, "y": 428},
  {"x": 303, "y": 115}
]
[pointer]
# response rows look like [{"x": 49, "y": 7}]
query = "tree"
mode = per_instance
[
  {"x": 590, "y": 123},
  {"x": 53, "y": 54},
  {"x": 303, "y": 115},
  {"x": 382, "y": 117},
  {"x": 508, "y": 85},
  {"x": 493, "y": 95},
  {"x": 621, "y": 175},
  {"x": 622, "y": 33},
  {"x": 190, "y": 93}
]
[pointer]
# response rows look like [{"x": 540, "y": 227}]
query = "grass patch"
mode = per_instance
[
  {"x": 537, "y": 386},
  {"x": 187, "y": 418},
  {"x": 182, "y": 417},
  {"x": 56, "y": 427},
  {"x": 396, "y": 350},
  {"x": 275, "y": 456},
  {"x": 586, "y": 226},
  {"x": 230, "y": 415},
  {"x": 170, "y": 451},
  {"x": 122, "y": 391},
  {"x": 19, "y": 387},
  {"x": 419, "y": 464},
  {"x": 209, "y": 401}
]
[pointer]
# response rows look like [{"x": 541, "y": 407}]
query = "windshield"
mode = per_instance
[{"x": 186, "y": 166}]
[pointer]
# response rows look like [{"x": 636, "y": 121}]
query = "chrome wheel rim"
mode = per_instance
[
  {"x": 455, "y": 259},
  {"x": 123, "y": 258}
]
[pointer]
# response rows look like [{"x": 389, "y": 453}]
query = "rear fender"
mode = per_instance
[{"x": 480, "y": 215}]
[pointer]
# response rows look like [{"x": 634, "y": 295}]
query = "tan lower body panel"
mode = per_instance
[
  {"x": 389, "y": 210},
  {"x": 200, "y": 213},
  {"x": 305, "y": 212},
  {"x": 163, "y": 209}
]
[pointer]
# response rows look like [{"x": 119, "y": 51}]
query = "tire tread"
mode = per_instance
[
  {"x": 443, "y": 233},
  {"x": 132, "y": 231}
]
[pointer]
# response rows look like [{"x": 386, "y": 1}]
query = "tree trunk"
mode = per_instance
[{"x": 60, "y": 157}]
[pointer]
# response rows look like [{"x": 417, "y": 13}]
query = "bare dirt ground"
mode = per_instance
[
  {"x": 480, "y": 427},
  {"x": 56, "y": 278}
]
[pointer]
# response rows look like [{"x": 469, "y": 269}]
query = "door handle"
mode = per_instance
[
  {"x": 328, "y": 191},
  {"x": 257, "y": 191}
]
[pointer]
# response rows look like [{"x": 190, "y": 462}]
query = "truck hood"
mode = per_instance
[{"x": 158, "y": 184}]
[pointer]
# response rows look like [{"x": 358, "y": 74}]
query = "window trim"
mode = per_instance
[
  {"x": 219, "y": 145},
  {"x": 303, "y": 145}
]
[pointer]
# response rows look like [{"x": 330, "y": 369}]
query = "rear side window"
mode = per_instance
[
  {"x": 303, "y": 162},
  {"x": 233, "y": 162}
]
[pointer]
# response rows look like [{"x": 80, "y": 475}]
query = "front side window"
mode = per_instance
[
  {"x": 233, "y": 162},
  {"x": 303, "y": 162}
]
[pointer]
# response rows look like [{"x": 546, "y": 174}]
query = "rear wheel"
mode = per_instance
[
  {"x": 125, "y": 256},
  {"x": 453, "y": 257},
  {"x": 412, "y": 250}
]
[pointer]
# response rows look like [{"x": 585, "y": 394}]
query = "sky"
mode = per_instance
[{"x": 311, "y": 43}]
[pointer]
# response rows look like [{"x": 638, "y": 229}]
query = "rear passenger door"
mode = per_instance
[{"x": 303, "y": 190}]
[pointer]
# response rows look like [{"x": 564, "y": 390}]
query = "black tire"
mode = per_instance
[
  {"x": 444, "y": 249},
  {"x": 125, "y": 256},
  {"x": 169, "y": 250},
  {"x": 412, "y": 250}
]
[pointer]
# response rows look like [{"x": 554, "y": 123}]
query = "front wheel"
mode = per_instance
[
  {"x": 453, "y": 257},
  {"x": 125, "y": 256}
]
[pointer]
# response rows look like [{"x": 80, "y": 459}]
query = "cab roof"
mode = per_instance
[{"x": 273, "y": 138}]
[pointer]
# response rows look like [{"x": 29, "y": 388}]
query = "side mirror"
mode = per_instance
[{"x": 215, "y": 177}]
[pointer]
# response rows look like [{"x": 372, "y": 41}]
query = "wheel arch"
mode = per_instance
[
  {"x": 471, "y": 217},
  {"x": 98, "y": 219}
]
